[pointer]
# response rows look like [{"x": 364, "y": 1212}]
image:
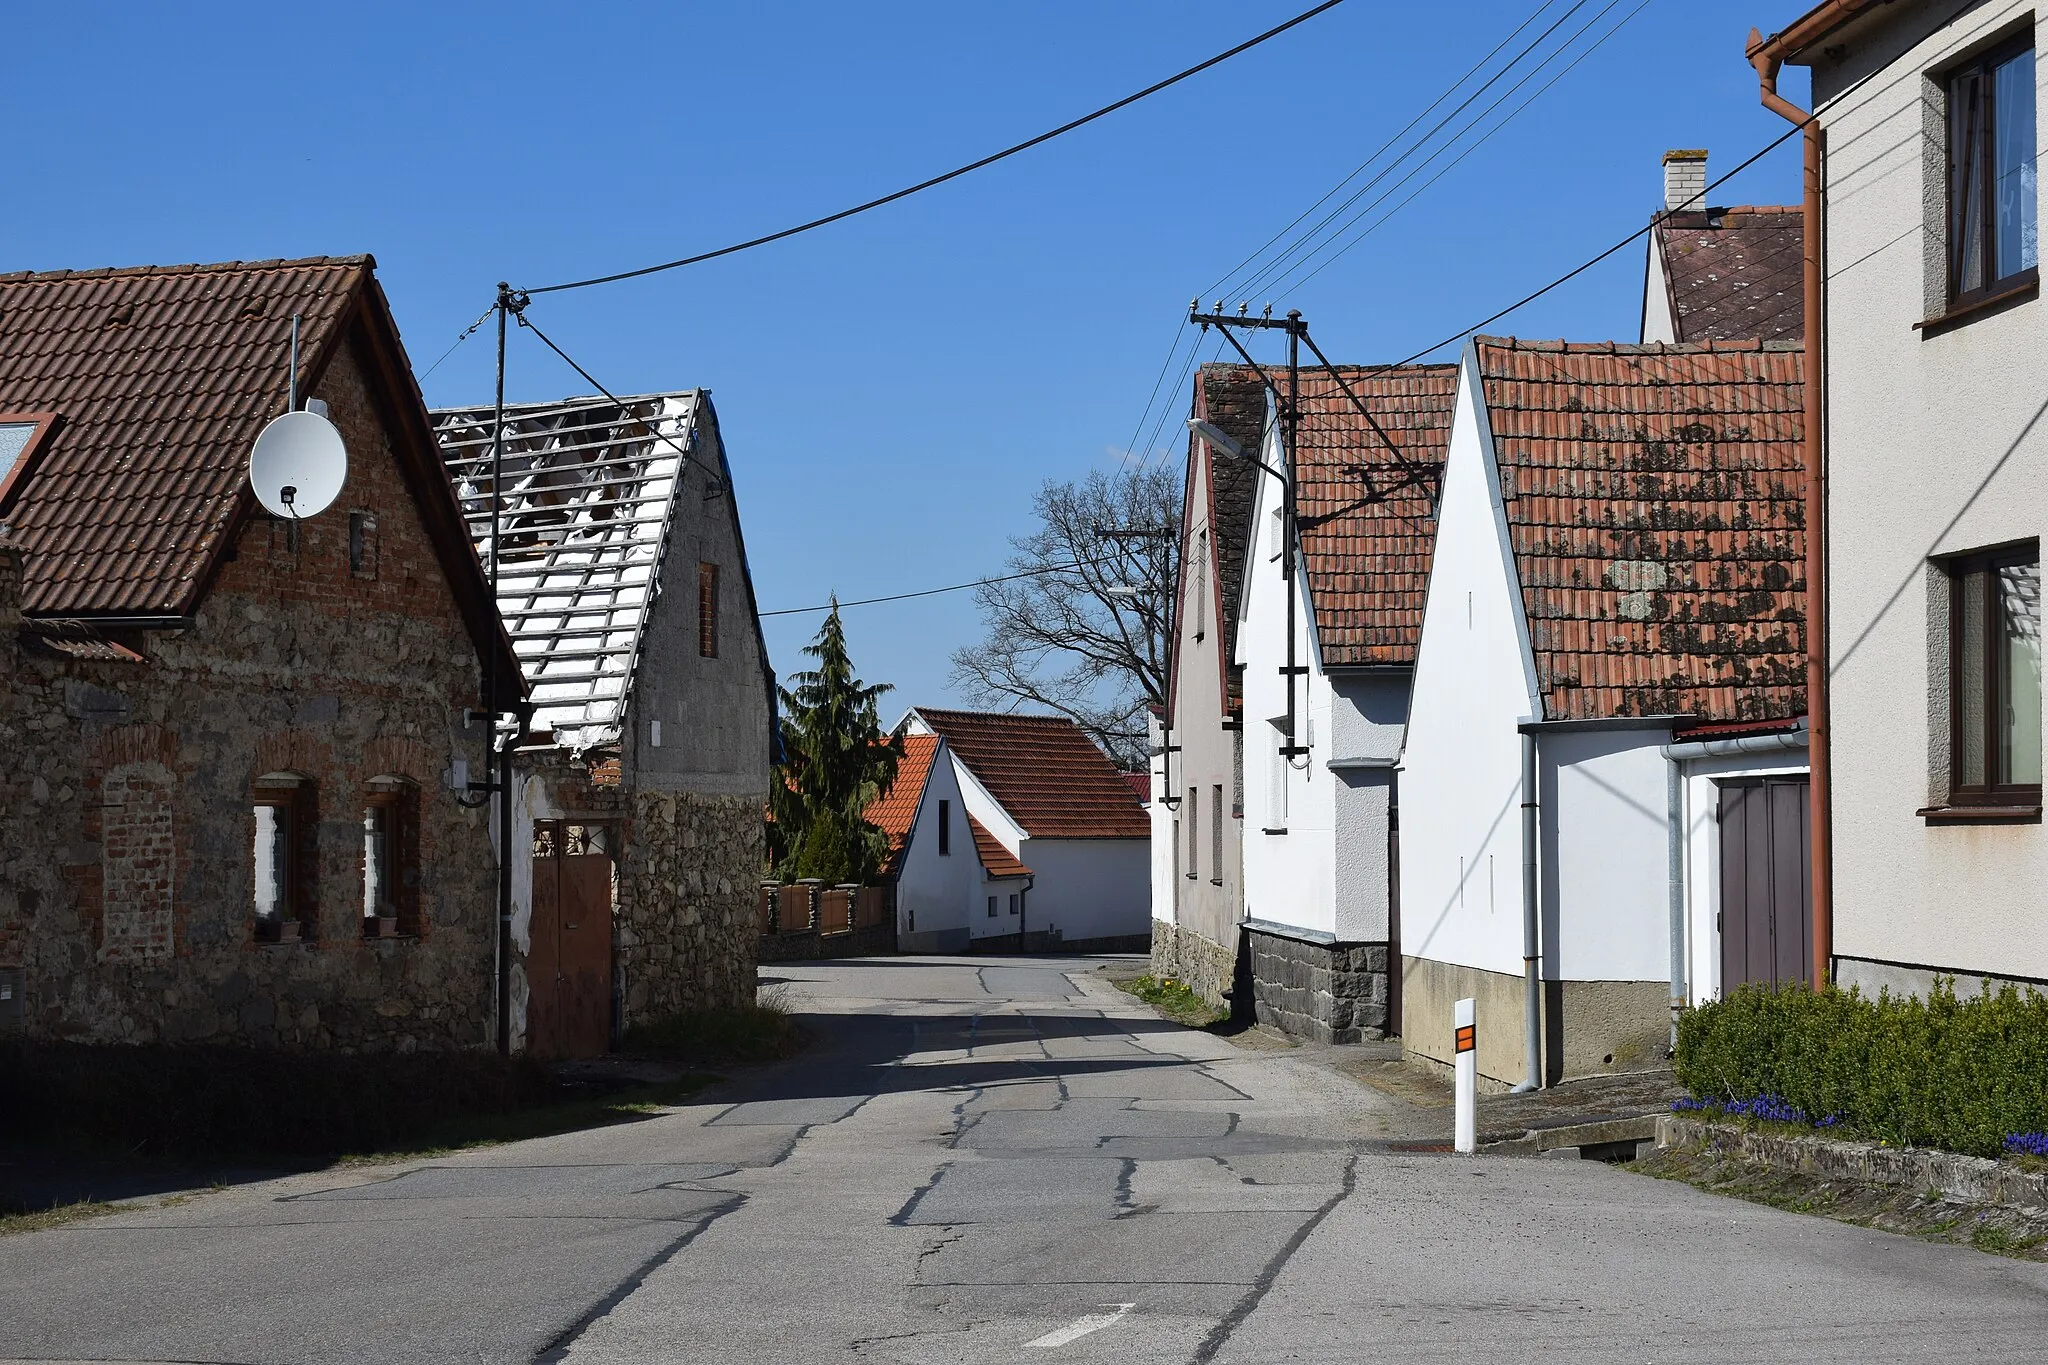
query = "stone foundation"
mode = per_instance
[
  {"x": 1204, "y": 965},
  {"x": 1327, "y": 992}
]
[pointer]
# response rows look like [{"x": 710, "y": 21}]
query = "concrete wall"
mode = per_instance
[
  {"x": 1935, "y": 445},
  {"x": 1605, "y": 868},
  {"x": 1584, "y": 1027},
  {"x": 1368, "y": 721},
  {"x": 1088, "y": 888},
  {"x": 292, "y": 663},
  {"x": 1008, "y": 920}
]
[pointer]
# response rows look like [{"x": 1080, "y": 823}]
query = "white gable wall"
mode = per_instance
[
  {"x": 934, "y": 891},
  {"x": 1604, "y": 857},
  {"x": 1460, "y": 769}
]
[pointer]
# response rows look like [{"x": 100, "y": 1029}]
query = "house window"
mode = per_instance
[
  {"x": 283, "y": 858},
  {"x": 1201, "y": 584},
  {"x": 1995, "y": 677},
  {"x": 362, "y": 544},
  {"x": 707, "y": 610},
  {"x": 945, "y": 829},
  {"x": 991, "y": 907},
  {"x": 1216, "y": 834},
  {"x": 1194, "y": 831},
  {"x": 391, "y": 875},
  {"x": 1992, "y": 206},
  {"x": 22, "y": 436},
  {"x": 1013, "y": 905},
  {"x": 1276, "y": 781}
]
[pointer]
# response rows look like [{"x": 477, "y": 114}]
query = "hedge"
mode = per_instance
[
  {"x": 209, "y": 1102},
  {"x": 1965, "y": 1075}
]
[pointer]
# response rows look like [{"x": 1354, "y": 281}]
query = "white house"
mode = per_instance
[
  {"x": 957, "y": 889},
  {"x": 1612, "y": 645},
  {"x": 1048, "y": 797},
  {"x": 1326, "y": 645},
  {"x": 1936, "y": 455}
]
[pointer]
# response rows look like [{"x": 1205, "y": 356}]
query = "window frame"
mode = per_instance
[
  {"x": 298, "y": 830},
  {"x": 1194, "y": 810},
  {"x": 1982, "y": 66},
  {"x": 399, "y": 799},
  {"x": 45, "y": 424},
  {"x": 945, "y": 828},
  {"x": 1216, "y": 834},
  {"x": 1993, "y": 792}
]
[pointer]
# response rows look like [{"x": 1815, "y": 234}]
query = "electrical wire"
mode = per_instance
[
  {"x": 467, "y": 333},
  {"x": 950, "y": 587},
  {"x": 953, "y": 174}
]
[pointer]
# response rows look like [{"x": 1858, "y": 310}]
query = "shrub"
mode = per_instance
[
  {"x": 1966, "y": 1075},
  {"x": 211, "y": 1102}
]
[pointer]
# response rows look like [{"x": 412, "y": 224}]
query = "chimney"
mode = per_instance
[{"x": 1685, "y": 180}]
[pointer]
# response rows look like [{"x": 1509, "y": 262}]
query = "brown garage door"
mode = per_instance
[
  {"x": 569, "y": 967},
  {"x": 1766, "y": 886}
]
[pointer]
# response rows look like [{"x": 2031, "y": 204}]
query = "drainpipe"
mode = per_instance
[
  {"x": 1677, "y": 755},
  {"x": 1768, "y": 61},
  {"x": 1532, "y": 1014}
]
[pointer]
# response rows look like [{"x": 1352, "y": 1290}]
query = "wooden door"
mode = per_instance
[
  {"x": 1766, "y": 917},
  {"x": 569, "y": 966}
]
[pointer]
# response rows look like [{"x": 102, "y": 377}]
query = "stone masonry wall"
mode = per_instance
[
  {"x": 686, "y": 914},
  {"x": 1205, "y": 965},
  {"x": 126, "y": 818},
  {"x": 1332, "y": 993}
]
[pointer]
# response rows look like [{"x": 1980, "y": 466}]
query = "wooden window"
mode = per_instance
[
  {"x": 284, "y": 859},
  {"x": 707, "y": 610},
  {"x": 1013, "y": 905},
  {"x": 391, "y": 873},
  {"x": 991, "y": 907},
  {"x": 1993, "y": 219},
  {"x": 1194, "y": 811},
  {"x": 945, "y": 829},
  {"x": 362, "y": 544},
  {"x": 1995, "y": 677}
]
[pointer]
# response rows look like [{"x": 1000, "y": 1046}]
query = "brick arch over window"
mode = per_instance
[
  {"x": 401, "y": 756},
  {"x": 290, "y": 751}
]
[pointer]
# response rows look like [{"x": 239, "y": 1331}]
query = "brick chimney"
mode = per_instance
[{"x": 1685, "y": 179}]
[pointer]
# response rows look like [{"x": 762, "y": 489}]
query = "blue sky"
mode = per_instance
[{"x": 892, "y": 388}]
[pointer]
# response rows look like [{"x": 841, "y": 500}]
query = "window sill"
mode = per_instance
[
  {"x": 1980, "y": 815},
  {"x": 1215, "y": 881},
  {"x": 2019, "y": 289},
  {"x": 1281, "y": 830}
]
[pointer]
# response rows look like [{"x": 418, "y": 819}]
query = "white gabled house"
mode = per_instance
[
  {"x": 1604, "y": 742},
  {"x": 957, "y": 889},
  {"x": 1326, "y": 646}
]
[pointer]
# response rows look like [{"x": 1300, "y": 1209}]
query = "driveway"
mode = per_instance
[{"x": 999, "y": 1160}]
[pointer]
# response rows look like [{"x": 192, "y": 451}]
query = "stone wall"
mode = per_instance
[
  {"x": 1329, "y": 992},
  {"x": 1207, "y": 967},
  {"x": 686, "y": 914},
  {"x": 126, "y": 781}
]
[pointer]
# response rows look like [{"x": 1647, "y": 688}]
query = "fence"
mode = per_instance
[{"x": 809, "y": 919}]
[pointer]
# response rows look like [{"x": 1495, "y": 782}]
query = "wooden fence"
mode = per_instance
[{"x": 811, "y": 919}]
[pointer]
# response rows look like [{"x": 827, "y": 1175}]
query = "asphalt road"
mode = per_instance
[{"x": 999, "y": 1160}]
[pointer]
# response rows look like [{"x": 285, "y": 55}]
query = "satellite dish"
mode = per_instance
[{"x": 298, "y": 465}]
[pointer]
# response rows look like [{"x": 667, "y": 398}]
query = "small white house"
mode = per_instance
[
  {"x": 957, "y": 889},
  {"x": 1042, "y": 792},
  {"x": 1326, "y": 645},
  {"x": 1612, "y": 656}
]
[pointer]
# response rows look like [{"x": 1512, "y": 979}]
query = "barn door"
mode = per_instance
[
  {"x": 569, "y": 966},
  {"x": 1766, "y": 889}
]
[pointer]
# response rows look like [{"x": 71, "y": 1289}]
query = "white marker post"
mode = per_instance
[{"x": 1467, "y": 1081}]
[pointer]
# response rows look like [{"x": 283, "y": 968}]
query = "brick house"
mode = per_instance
[
  {"x": 624, "y": 584},
  {"x": 225, "y": 738}
]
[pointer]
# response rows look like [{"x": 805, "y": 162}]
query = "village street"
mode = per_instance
[{"x": 999, "y": 1160}]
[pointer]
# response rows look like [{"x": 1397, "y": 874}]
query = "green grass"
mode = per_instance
[
  {"x": 762, "y": 1032},
  {"x": 38, "y": 1220},
  {"x": 1174, "y": 999}
]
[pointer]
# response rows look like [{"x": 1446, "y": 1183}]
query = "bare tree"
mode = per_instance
[{"x": 1079, "y": 627}]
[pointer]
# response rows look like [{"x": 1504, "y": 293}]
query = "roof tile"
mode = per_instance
[{"x": 1045, "y": 771}]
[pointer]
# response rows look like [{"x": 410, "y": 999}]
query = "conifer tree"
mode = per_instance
[{"x": 836, "y": 760}]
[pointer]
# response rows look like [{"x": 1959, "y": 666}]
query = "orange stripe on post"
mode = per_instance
[{"x": 1467, "y": 1038}]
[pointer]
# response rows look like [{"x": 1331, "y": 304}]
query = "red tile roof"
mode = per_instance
[
  {"x": 1654, "y": 504},
  {"x": 1367, "y": 514},
  {"x": 996, "y": 860},
  {"x": 1045, "y": 771},
  {"x": 1735, "y": 274},
  {"x": 894, "y": 812},
  {"x": 1141, "y": 784},
  {"x": 160, "y": 378}
]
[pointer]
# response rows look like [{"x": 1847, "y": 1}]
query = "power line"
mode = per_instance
[
  {"x": 933, "y": 592},
  {"x": 467, "y": 333},
  {"x": 954, "y": 174}
]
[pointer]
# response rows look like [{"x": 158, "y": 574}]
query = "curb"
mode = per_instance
[
  {"x": 1602, "y": 1140},
  {"x": 1965, "y": 1179}
]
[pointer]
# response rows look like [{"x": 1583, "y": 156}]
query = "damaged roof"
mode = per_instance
[
  {"x": 1654, "y": 499},
  {"x": 1366, "y": 514},
  {"x": 1044, "y": 771},
  {"x": 588, "y": 504},
  {"x": 1732, "y": 274}
]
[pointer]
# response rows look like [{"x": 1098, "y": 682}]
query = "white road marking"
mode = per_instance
[{"x": 1081, "y": 1327}]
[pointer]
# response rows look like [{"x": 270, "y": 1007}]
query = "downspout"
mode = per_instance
[
  {"x": 1767, "y": 63},
  {"x": 1532, "y": 986}
]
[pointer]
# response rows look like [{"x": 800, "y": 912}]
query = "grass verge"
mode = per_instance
[
  {"x": 1997, "y": 1230},
  {"x": 39, "y": 1220},
  {"x": 762, "y": 1032},
  {"x": 1174, "y": 999}
]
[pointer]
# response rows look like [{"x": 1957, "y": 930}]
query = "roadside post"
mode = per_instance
[{"x": 1467, "y": 1081}]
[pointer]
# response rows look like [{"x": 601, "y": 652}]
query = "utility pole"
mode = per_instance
[{"x": 1289, "y": 401}]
